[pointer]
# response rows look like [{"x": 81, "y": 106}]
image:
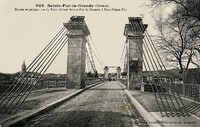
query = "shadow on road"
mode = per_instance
[{"x": 192, "y": 108}]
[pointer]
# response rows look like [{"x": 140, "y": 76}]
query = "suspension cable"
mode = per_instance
[
  {"x": 14, "y": 90},
  {"x": 123, "y": 52},
  {"x": 47, "y": 66},
  {"x": 29, "y": 74},
  {"x": 30, "y": 66},
  {"x": 161, "y": 99},
  {"x": 146, "y": 65},
  {"x": 38, "y": 70},
  {"x": 158, "y": 59},
  {"x": 96, "y": 49},
  {"x": 49, "y": 63}
]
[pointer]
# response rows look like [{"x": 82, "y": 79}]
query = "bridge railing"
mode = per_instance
[
  {"x": 51, "y": 83},
  {"x": 62, "y": 83},
  {"x": 191, "y": 91}
]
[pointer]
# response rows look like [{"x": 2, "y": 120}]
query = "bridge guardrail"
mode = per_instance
[{"x": 190, "y": 91}]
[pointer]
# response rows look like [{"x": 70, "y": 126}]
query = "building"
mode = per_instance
[{"x": 23, "y": 69}]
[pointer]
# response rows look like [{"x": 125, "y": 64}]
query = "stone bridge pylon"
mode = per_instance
[
  {"x": 78, "y": 31},
  {"x": 134, "y": 40}
]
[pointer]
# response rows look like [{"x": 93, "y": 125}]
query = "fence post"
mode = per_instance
[{"x": 183, "y": 90}]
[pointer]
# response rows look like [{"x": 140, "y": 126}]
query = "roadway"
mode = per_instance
[{"x": 105, "y": 105}]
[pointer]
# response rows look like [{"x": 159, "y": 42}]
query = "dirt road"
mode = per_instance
[{"x": 102, "y": 106}]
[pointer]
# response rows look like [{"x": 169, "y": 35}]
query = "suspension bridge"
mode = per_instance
[{"x": 104, "y": 103}]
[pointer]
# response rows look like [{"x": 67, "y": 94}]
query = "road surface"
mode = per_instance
[{"x": 102, "y": 106}]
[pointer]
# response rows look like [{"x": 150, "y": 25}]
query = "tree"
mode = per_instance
[
  {"x": 179, "y": 33},
  {"x": 190, "y": 8},
  {"x": 177, "y": 38}
]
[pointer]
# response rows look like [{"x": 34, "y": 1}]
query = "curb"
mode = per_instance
[
  {"x": 148, "y": 118},
  {"x": 27, "y": 115}
]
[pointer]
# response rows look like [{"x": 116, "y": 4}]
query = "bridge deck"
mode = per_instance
[{"x": 106, "y": 105}]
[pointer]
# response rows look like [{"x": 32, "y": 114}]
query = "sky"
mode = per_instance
[{"x": 24, "y": 34}]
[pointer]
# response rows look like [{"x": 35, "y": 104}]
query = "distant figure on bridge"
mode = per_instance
[{"x": 109, "y": 77}]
